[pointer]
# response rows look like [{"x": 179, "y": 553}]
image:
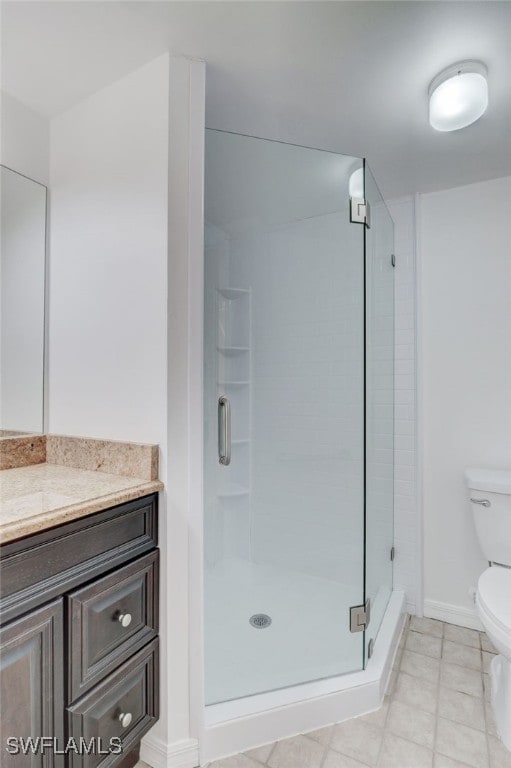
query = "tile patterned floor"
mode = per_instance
[{"x": 436, "y": 713}]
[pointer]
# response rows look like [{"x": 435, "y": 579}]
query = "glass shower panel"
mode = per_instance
[
  {"x": 284, "y": 416},
  {"x": 379, "y": 248}
]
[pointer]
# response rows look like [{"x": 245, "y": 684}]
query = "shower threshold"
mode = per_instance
[{"x": 245, "y": 723}]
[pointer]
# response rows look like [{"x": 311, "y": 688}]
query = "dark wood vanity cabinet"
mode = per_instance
[{"x": 79, "y": 641}]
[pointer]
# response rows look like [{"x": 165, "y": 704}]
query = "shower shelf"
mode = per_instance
[
  {"x": 233, "y": 351},
  {"x": 233, "y": 383},
  {"x": 233, "y": 293},
  {"x": 240, "y": 441},
  {"x": 233, "y": 490}
]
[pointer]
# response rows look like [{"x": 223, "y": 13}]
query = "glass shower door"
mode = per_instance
[
  {"x": 379, "y": 248},
  {"x": 284, "y": 416}
]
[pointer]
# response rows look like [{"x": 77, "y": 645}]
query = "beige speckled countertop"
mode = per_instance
[
  {"x": 42, "y": 496},
  {"x": 56, "y": 479}
]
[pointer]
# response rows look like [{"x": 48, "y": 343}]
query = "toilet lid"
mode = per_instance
[{"x": 494, "y": 592}]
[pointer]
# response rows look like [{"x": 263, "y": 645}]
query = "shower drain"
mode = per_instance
[{"x": 260, "y": 620}]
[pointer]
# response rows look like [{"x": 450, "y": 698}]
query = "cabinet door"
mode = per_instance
[
  {"x": 31, "y": 689},
  {"x": 116, "y": 713}
]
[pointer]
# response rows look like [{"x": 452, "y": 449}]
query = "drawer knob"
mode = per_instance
[
  {"x": 125, "y": 719},
  {"x": 124, "y": 619}
]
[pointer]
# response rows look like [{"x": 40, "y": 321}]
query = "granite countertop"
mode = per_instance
[{"x": 36, "y": 497}]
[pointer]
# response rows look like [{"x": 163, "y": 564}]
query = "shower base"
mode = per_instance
[
  {"x": 272, "y": 658},
  {"x": 307, "y": 639}
]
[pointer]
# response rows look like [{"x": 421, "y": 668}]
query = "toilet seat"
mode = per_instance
[{"x": 494, "y": 603}]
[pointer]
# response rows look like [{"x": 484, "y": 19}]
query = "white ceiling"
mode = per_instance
[{"x": 350, "y": 77}]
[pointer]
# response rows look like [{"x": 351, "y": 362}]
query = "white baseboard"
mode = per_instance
[
  {"x": 453, "y": 614},
  {"x": 179, "y": 754}
]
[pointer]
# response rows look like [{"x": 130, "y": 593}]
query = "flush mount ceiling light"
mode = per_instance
[{"x": 458, "y": 96}]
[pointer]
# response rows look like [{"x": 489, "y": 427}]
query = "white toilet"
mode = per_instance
[{"x": 489, "y": 493}]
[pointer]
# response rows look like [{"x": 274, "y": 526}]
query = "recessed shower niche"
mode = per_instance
[{"x": 233, "y": 388}]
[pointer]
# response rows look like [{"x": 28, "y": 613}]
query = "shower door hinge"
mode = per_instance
[
  {"x": 360, "y": 616},
  {"x": 393, "y": 259},
  {"x": 392, "y": 554},
  {"x": 360, "y": 211}
]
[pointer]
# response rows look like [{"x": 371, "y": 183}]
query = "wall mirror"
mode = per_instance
[{"x": 22, "y": 303}]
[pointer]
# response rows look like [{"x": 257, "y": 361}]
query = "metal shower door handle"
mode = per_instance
[{"x": 224, "y": 431}]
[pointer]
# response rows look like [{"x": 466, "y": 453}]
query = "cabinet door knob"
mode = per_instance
[
  {"x": 125, "y": 719},
  {"x": 124, "y": 619}
]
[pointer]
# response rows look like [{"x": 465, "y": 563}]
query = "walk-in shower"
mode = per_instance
[{"x": 298, "y": 400}]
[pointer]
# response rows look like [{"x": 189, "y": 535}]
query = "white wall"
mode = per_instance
[
  {"x": 465, "y": 288},
  {"x": 120, "y": 192},
  {"x": 108, "y": 245},
  {"x": 24, "y": 145},
  {"x": 407, "y": 524}
]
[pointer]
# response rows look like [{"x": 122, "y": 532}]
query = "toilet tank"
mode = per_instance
[{"x": 489, "y": 498}]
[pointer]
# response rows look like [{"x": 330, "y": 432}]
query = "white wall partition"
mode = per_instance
[
  {"x": 126, "y": 185},
  {"x": 108, "y": 247},
  {"x": 466, "y": 366}
]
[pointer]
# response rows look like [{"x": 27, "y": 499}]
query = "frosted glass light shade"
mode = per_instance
[
  {"x": 458, "y": 96},
  {"x": 356, "y": 184}
]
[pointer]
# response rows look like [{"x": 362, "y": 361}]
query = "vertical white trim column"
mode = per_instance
[
  {"x": 419, "y": 433},
  {"x": 196, "y": 424},
  {"x": 171, "y": 744},
  {"x": 407, "y": 521}
]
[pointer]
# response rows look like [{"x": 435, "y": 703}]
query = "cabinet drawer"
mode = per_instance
[
  {"x": 40, "y": 567},
  {"x": 119, "y": 711},
  {"x": 109, "y": 620}
]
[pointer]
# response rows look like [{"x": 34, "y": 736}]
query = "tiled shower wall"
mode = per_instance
[
  {"x": 307, "y": 365},
  {"x": 406, "y": 522},
  {"x": 406, "y": 514}
]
